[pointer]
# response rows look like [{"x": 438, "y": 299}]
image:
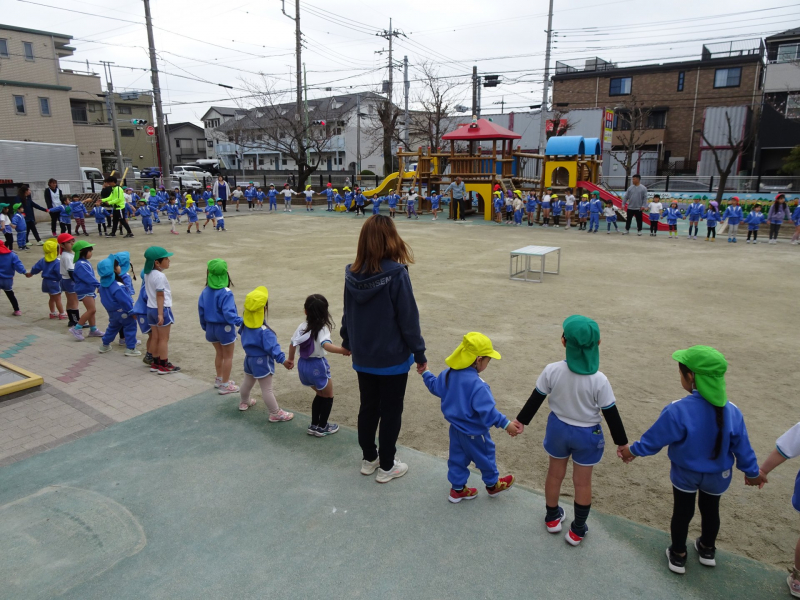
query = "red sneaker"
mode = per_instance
[
  {"x": 168, "y": 368},
  {"x": 502, "y": 485},
  {"x": 467, "y": 493}
]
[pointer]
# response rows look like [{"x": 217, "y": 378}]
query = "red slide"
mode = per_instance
[{"x": 606, "y": 195}]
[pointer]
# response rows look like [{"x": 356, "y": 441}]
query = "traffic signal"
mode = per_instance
[
  {"x": 491, "y": 80},
  {"x": 322, "y": 123},
  {"x": 139, "y": 121}
]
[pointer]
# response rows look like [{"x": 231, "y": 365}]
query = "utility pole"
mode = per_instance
[
  {"x": 546, "y": 85},
  {"x": 389, "y": 121},
  {"x": 163, "y": 147},
  {"x": 305, "y": 98},
  {"x": 502, "y": 104},
  {"x": 358, "y": 135},
  {"x": 113, "y": 110},
  {"x": 475, "y": 91},
  {"x": 298, "y": 46},
  {"x": 406, "y": 86}
]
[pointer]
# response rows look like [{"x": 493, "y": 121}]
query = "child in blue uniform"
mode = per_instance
[
  {"x": 313, "y": 337},
  {"x": 672, "y": 214},
  {"x": 734, "y": 215},
  {"x": 595, "y": 208},
  {"x": 754, "y": 221},
  {"x": 174, "y": 212},
  {"x": 329, "y": 194},
  {"x": 392, "y": 205},
  {"x": 86, "y": 285},
  {"x": 578, "y": 394},
  {"x": 207, "y": 195},
  {"x": 219, "y": 218},
  {"x": 555, "y": 209},
  {"x": 262, "y": 351},
  {"x": 10, "y": 264},
  {"x": 530, "y": 208},
  {"x": 147, "y": 217},
  {"x": 122, "y": 270},
  {"x": 100, "y": 215},
  {"x": 220, "y": 320},
  {"x": 509, "y": 201},
  {"x": 694, "y": 212},
  {"x": 435, "y": 200},
  {"x": 796, "y": 221},
  {"x": 50, "y": 268},
  {"x": 211, "y": 214},
  {"x": 272, "y": 194},
  {"x": 64, "y": 213},
  {"x": 19, "y": 225},
  {"x": 704, "y": 433},
  {"x": 359, "y": 203},
  {"x": 116, "y": 299},
  {"x": 519, "y": 208},
  {"x": 191, "y": 212},
  {"x": 583, "y": 211},
  {"x": 348, "y": 198},
  {"x": 376, "y": 205},
  {"x": 250, "y": 195},
  {"x": 260, "y": 196},
  {"x": 712, "y": 217},
  {"x": 469, "y": 407},
  {"x": 79, "y": 214},
  {"x": 499, "y": 207},
  {"x": 546, "y": 205},
  {"x": 411, "y": 201}
]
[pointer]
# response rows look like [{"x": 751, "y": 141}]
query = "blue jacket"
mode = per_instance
[
  {"x": 556, "y": 204},
  {"x": 191, "y": 211},
  {"x": 217, "y": 212},
  {"x": 392, "y": 199},
  {"x": 467, "y": 401},
  {"x": 672, "y": 215},
  {"x": 217, "y": 306},
  {"x": 260, "y": 196},
  {"x": 499, "y": 204},
  {"x": 596, "y": 206},
  {"x": 689, "y": 427},
  {"x": 18, "y": 221},
  {"x": 49, "y": 270},
  {"x": 360, "y": 199},
  {"x": 273, "y": 194},
  {"x": 733, "y": 214},
  {"x": 796, "y": 216},
  {"x": 144, "y": 212},
  {"x": 207, "y": 195},
  {"x": 380, "y": 325},
  {"x": 712, "y": 217},
  {"x": 9, "y": 263},
  {"x": 83, "y": 276},
  {"x": 115, "y": 298},
  {"x": 348, "y": 198},
  {"x": 250, "y": 193},
  {"x": 583, "y": 208},
  {"x": 754, "y": 220},
  {"x": 140, "y": 306},
  {"x": 695, "y": 211},
  {"x": 160, "y": 197},
  {"x": 78, "y": 209},
  {"x": 173, "y": 210},
  {"x": 339, "y": 199},
  {"x": 329, "y": 194},
  {"x": 63, "y": 215},
  {"x": 262, "y": 342},
  {"x": 99, "y": 213}
]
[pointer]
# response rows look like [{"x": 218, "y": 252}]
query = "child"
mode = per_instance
[
  {"x": 509, "y": 209},
  {"x": 206, "y": 195},
  {"x": 672, "y": 215},
  {"x": 191, "y": 212},
  {"x": 655, "y": 208},
  {"x": 376, "y": 205},
  {"x": 360, "y": 203},
  {"x": 796, "y": 221},
  {"x": 219, "y": 319},
  {"x": 530, "y": 207},
  {"x": 86, "y": 285},
  {"x": 5, "y": 225},
  {"x": 583, "y": 211},
  {"x": 411, "y": 201},
  {"x": 262, "y": 350},
  {"x": 712, "y": 218},
  {"x": 260, "y": 195},
  {"x": 734, "y": 215},
  {"x": 79, "y": 214},
  {"x": 159, "y": 308},
  {"x": 236, "y": 196},
  {"x": 287, "y": 198},
  {"x": 19, "y": 225},
  {"x": 100, "y": 215},
  {"x": 116, "y": 299},
  {"x": 313, "y": 336},
  {"x": 595, "y": 208},
  {"x": 174, "y": 212},
  {"x": 67, "y": 262},
  {"x": 272, "y": 194},
  {"x": 250, "y": 196},
  {"x": 555, "y": 209},
  {"x": 330, "y": 193},
  {"x": 309, "y": 193},
  {"x": 219, "y": 218},
  {"x": 578, "y": 394},
  {"x": 694, "y": 213},
  {"x": 392, "y": 204},
  {"x": 348, "y": 198},
  {"x": 569, "y": 206},
  {"x": 147, "y": 216},
  {"x": 469, "y": 407},
  {"x": 50, "y": 268},
  {"x": 704, "y": 433},
  {"x": 139, "y": 313},
  {"x": 546, "y": 200},
  {"x": 211, "y": 214},
  {"x": 123, "y": 261},
  {"x": 499, "y": 205},
  {"x": 435, "y": 200},
  {"x": 9, "y": 264},
  {"x": 611, "y": 217},
  {"x": 519, "y": 208},
  {"x": 754, "y": 221},
  {"x": 778, "y": 213}
]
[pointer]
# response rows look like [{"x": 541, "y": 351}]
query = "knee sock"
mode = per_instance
[
  {"x": 316, "y": 408},
  {"x": 581, "y": 514},
  {"x": 552, "y": 513},
  {"x": 13, "y": 299},
  {"x": 326, "y": 405},
  {"x": 74, "y": 315}
]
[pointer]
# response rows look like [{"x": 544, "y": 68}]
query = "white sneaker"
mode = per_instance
[
  {"x": 398, "y": 470},
  {"x": 368, "y": 468},
  {"x": 133, "y": 352}
]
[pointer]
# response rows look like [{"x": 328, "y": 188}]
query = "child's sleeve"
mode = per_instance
[
  {"x": 663, "y": 432},
  {"x": 229, "y": 311},
  {"x": 200, "y": 311},
  {"x": 18, "y": 266},
  {"x": 270, "y": 343},
  {"x": 484, "y": 405},
  {"x": 431, "y": 382},
  {"x": 38, "y": 267},
  {"x": 536, "y": 398},
  {"x": 789, "y": 443},
  {"x": 746, "y": 460}
]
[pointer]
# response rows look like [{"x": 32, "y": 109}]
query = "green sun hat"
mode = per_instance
[
  {"x": 582, "y": 335},
  {"x": 4, "y": 205},
  {"x": 80, "y": 245},
  {"x": 217, "y": 274},
  {"x": 151, "y": 255},
  {"x": 709, "y": 366},
  {"x": 16, "y": 206}
]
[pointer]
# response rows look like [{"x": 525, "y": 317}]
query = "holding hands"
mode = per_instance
[
  {"x": 625, "y": 454},
  {"x": 760, "y": 481},
  {"x": 514, "y": 428},
  {"x": 288, "y": 364}
]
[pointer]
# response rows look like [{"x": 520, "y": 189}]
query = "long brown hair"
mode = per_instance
[{"x": 379, "y": 241}]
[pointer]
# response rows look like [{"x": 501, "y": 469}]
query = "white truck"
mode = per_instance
[{"x": 35, "y": 163}]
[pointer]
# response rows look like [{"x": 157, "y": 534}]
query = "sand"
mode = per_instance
[{"x": 650, "y": 297}]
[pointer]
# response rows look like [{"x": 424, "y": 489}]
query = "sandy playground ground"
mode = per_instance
[{"x": 650, "y": 297}]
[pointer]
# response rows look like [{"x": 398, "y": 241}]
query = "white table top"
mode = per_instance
[{"x": 535, "y": 250}]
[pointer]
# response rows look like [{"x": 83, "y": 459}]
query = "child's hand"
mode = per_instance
[
  {"x": 28, "y": 275},
  {"x": 760, "y": 481},
  {"x": 345, "y": 352},
  {"x": 421, "y": 368},
  {"x": 520, "y": 426},
  {"x": 288, "y": 364},
  {"x": 512, "y": 430},
  {"x": 624, "y": 452}
]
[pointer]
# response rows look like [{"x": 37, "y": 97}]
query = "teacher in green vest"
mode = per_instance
[{"x": 113, "y": 195}]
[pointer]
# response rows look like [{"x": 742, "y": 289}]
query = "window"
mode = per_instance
[
  {"x": 79, "y": 113},
  {"x": 209, "y": 144},
  {"x": 337, "y": 131},
  {"x": 19, "y": 105},
  {"x": 793, "y": 106},
  {"x": 28, "y": 47},
  {"x": 619, "y": 86},
  {"x": 44, "y": 106},
  {"x": 786, "y": 52},
  {"x": 177, "y": 143},
  {"x": 127, "y": 132},
  {"x": 657, "y": 119},
  {"x": 260, "y": 162},
  {"x": 91, "y": 107},
  {"x": 284, "y": 162},
  {"x": 622, "y": 120},
  {"x": 340, "y": 161},
  {"x": 211, "y": 123},
  {"x": 681, "y": 78},
  {"x": 3, "y": 48},
  {"x": 123, "y": 109},
  {"x": 728, "y": 77}
]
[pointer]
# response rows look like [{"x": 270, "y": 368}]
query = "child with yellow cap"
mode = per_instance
[
  {"x": 50, "y": 268},
  {"x": 555, "y": 208},
  {"x": 309, "y": 194},
  {"x": 499, "y": 204},
  {"x": 583, "y": 212},
  {"x": 547, "y": 200},
  {"x": 705, "y": 434},
  {"x": 191, "y": 212},
  {"x": 578, "y": 394},
  {"x": 469, "y": 407},
  {"x": 519, "y": 208},
  {"x": 262, "y": 351}
]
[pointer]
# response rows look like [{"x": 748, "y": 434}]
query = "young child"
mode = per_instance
[
  {"x": 734, "y": 215},
  {"x": 330, "y": 194},
  {"x": 778, "y": 213},
  {"x": 174, "y": 213},
  {"x": 360, "y": 203},
  {"x": 376, "y": 205},
  {"x": 519, "y": 208},
  {"x": 250, "y": 196},
  {"x": 704, "y": 433},
  {"x": 309, "y": 194},
  {"x": 569, "y": 206},
  {"x": 67, "y": 266},
  {"x": 159, "y": 308},
  {"x": 509, "y": 209},
  {"x": 219, "y": 218},
  {"x": 348, "y": 198},
  {"x": 392, "y": 204},
  {"x": 272, "y": 194},
  {"x": 435, "y": 200},
  {"x": 211, "y": 214},
  {"x": 313, "y": 336},
  {"x": 86, "y": 285},
  {"x": 219, "y": 319},
  {"x": 116, "y": 299},
  {"x": 10, "y": 264},
  {"x": 411, "y": 202},
  {"x": 19, "y": 225},
  {"x": 712, "y": 217},
  {"x": 5, "y": 225},
  {"x": 469, "y": 407},
  {"x": 139, "y": 313},
  {"x": 655, "y": 208},
  {"x": 611, "y": 217},
  {"x": 530, "y": 208},
  {"x": 595, "y": 208},
  {"x": 499, "y": 206},
  {"x": 206, "y": 195},
  {"x": 578, "y": 393},
  {"x": 694, "y": 213},
  {"x": 754, "y": 221},
  {"x": 262, "y": 351},
  {"x": 583, "y": 211},
  {"x": 79, "y": 214},
  {"x": 236, "y": 196},
  {"x": 288, "y": 192},
  {"x": 123, "y": 270},
  {"x": 260, "y": 195},
  {"x": 796, "y": 221},
  {"x": 545, "y": 204},
  {"x": 147, "y": 216},
  {"x": 100, "y": 215},
  {"x": 50, "y": 268},
  {"x": 672, "y": 214},
  {"x": 555, "y": 209},
  {"x": 191, "y": 212}
]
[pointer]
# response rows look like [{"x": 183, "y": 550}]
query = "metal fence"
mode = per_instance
[{"x": 710, "y": 185}]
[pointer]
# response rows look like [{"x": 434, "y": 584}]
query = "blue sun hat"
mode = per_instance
[{"x": 105, "y": 269}]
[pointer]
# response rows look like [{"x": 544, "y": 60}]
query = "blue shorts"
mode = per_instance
[
  {"x": 611, "y": 219},
  {"x": 51, "y": 287},
  {"x": 152, "y": 317},
  {"x": 89, "y": 295},
  {"x": 714, "y": 484},
  {"x": 144, "y": 326},
  {"x": 7, "y": 284},
  {"x": 259, "y": 366},
  {"x": 314, "y": 372},
  {"x": 584, "y": 444},
  {"x": 796, "y": 495},
  {"x": 435, "y": 205},
  {"x": 219, "y": 332}
]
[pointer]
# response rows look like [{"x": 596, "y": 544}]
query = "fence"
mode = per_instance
[{"x": 710, "y": 185}]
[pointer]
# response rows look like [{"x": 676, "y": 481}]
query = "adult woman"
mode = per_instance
[
  {"x": 380, "y": 328},
  {"x": 24, "y": 197},
  {"x": 54, "y": 197},
  {"x": 222, "y": 191}
]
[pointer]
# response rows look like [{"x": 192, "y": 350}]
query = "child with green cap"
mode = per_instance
[
  {"x": 578, "y": 394},
  {"x": 705, "y": 434},
  {"x": 469, "y": 407},
  {"x": 159, "y": 308},
  {"x": 86, "y": 286},
  {"x": 219, "y": 319},
  {"x": 19, "y": 225}
]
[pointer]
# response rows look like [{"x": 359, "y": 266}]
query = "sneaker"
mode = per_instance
[
  {"x": 53, "y": 315},
  {"x": 154, "y": 367},
  {"x": 677, "y": 564},
  {"x": 41, "y": 243},
  {"x": 17, "y": 313},
  {"x": 793, "y": 582},
  {"x": 77, "y": 333},
  {"x": 170, "y": 368},
  {"x": 245, "y": 405},
  {"x": 502, "y": 485},
  {"x": 329, "y": 429},
  {"x": 121, "y": 342},
  {"x": 281, "y": 416},
  {"x": 368, "y": 467},
  {"x": 466, "y": 493},
  {"x": 312, "y": 429},
  {"x": 554, "y": 526},
  {"x": 198, "y": 231},
  {"x": 228, "y": 388},
  {"x": 217, "y": 382},
  {"x": 398, "y": 470},
  {"x": 132, "y": 352},
  {"x": 63, "y": 316},
  {"x": 148, "y": 359},
  {"x": 747, "y": 242},
  {"x": 706, "y": 555},
  {"x": 734, "y": 240},
  {"x": 729, "y": 240},
  {"x": 103, "y": 349},
  {"x": 96, "y": 333},
  {"x": 573, "y": 538}
]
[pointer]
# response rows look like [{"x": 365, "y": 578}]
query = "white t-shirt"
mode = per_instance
[
  {"x": 789, "y": 443},
  {"x": 238, "y": 194},
  {"x": 575, "y": 399},
  {"x": 570, "y": 200},
  {"x": 309, "y": 194},
  {"x": 287, "y": 194},
  {"x": 655, "y": 207},
  {"x": 156, "y": 281},
  {"x": 323, "y": 336},
  {"x": 609, "y": 211},
  {"x": 67, "y": 264},
  {"x": 4, "y": 221}
]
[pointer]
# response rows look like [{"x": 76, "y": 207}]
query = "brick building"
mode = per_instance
[{"x": 673, "y": 95}]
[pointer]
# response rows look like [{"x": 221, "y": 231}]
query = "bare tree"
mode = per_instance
[
  {"x": 387, "y": 114},
  {"x": 727, "y": 154},
  {"x": 633, "y": 123},
  {"x": 558, "y": 124},
  {"x": 436, "y": 99}
]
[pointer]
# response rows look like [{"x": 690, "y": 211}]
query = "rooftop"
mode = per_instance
[{"x": 35, "y": 31}]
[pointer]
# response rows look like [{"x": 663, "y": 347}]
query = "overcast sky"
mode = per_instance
[{"x": 205, "y": 42}]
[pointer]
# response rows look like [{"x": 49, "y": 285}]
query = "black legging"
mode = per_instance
[
  {"x": 753, "y": 232},
  {"x": 9, "y": 240},
  {"x": 224, "y": 201},
  {"x": 653, "y": 226},
  {"x": 53, "y": 222},
  {"x": 712, "y": 232},
  {"x": 458, "y": 208},
  {"x": 32, "y": 229},
  {"x": 774, "y": 228},
  {"x": 119, "y": 220},
  {"x": 13, "y": 299},
  {"x": 682, "y": 513},
  {"x": 637, "y": 213},
  {"x": 381, "y": 403}
]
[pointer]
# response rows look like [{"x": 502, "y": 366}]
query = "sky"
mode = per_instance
[{"x": 204, "y": 43}]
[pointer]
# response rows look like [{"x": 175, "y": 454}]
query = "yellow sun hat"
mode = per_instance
[
  {"x": 518, "y": 193},
  {"x": 254, "y": 304},
  {"x": 50, "y": 248},
  {"x": 471, "y": 347}
]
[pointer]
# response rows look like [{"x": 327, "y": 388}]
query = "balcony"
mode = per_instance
[{"x": 782, "y": 77}]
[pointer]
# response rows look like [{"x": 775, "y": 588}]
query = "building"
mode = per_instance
[
  {"x": 90, "y": 120},
  {"x": 664, "y": 104},
  {"x": 212, "y": 120},
  {"x": 779, "y": 129},
  {"x": 137, "y": 147},
  {"x": 187, "y": 143}
]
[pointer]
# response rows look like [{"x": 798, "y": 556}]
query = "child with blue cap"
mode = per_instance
[{"x": 116, "y": 299}]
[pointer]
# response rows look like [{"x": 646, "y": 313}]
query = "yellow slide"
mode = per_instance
[{"x": 386, "y": 185}]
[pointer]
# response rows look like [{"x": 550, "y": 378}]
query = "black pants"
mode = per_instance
[
  {"x": 712, "y": 232},
  {"x": 637, "y": 213},
  {"x": 754, "y": 233},
  {"x": 381, "y": 403},
  {"x": 653, "y": 226},
  {"x": 9, "y": 240},
  {"x": 12, "y": 298},
  {"x": 119, "y": 220},
  {"x": 102, "y": 228},
  {"x": 774, "y": 228},
  {"x": 32, "y": 230},
  {"x": 224, "y": 204},
  {"x": 53, "y": 222},
  {"x": 682, "y": 513},
  {"x": 458, "y": 208}
]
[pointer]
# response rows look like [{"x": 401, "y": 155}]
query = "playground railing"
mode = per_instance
[{"x": 681, "y": 184}]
